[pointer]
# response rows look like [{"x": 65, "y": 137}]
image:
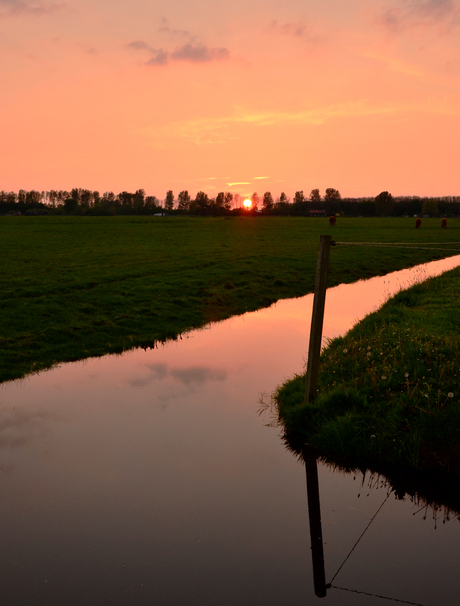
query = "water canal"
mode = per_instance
[{"x": 149, "y": 478}]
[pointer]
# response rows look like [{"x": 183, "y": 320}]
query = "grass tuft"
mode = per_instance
[{"x": 389, "y": 389}]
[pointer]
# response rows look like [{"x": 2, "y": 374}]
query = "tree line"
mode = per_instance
[{"x": 86, "y": 202}]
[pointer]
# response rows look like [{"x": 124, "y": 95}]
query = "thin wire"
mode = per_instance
[
  {"x": 391, "y": 245},
  {"x": 374, "y": 595},
  {"x": 363, "y": 533},
  {"x": 395, "y": 243}
]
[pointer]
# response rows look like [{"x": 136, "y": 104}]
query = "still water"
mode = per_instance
[{"x": 149, "y": 478}]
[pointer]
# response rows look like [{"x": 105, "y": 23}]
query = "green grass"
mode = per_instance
[
  {"x": 75, "y": 287},
  {"x": 389, "y": 390}
]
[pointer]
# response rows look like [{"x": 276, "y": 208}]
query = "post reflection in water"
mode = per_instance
[
  {"x": 148, "y": 478},
  {"x": 445, "y": 506},
  {"x": 314, "y": 517}
]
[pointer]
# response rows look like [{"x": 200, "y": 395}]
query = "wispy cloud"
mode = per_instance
[
  {"x": 298, "y": 29},
  {"x": 402, "y": 67},
  {"x": 140, "y": 45},
  {"x": 18, "y": 427},
  {"x": 421, "y": 13},
  {"x": 261, "y": 177},
  {"x": 190, "y": 52},
  {"x": 231, "y": 184},
  {"x": 17, "y": 8},
  {"x": 199, "y": 53},
  {"x": 188, "y": 375},
  {"x": 198, "y": 374},
  {"x": 158, "y": 57},
  {"x": 220, "y": 130},
  {"x": 171, "y": 32},
  {"x": 416, "y": 72}
]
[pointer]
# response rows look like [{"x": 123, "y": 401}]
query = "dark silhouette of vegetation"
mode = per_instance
[
  {"x": 315, "y": 196},
  {"x": 299, "y": 198},
  {"x": 183, "y": 201},
  {"x": 169, "y": 200},
  {"x": 430, "y": 208},
  {"x": 332, "y": 194},
  {"x": 80, "y": 201},
  {"x": 384, "y": 203},
  {"x": 267, "y": 202}
]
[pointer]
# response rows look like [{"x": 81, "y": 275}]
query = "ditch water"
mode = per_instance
[{"x": 149, "y": 478}]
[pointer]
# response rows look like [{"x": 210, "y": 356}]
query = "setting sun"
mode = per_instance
[{"x": 247, "y": 203}]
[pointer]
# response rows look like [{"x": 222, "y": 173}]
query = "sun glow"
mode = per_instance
[{"x": 247, "y": 203}]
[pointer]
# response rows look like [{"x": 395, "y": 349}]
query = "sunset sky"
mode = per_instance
[{"x": 242, "y": 96}]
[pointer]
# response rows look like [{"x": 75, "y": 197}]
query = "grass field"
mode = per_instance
[
  {"x": 75, "y": 287},
  {"x": 388, "y": 390}
]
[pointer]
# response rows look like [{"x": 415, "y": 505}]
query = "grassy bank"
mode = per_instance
[
  {"x": 74, "y": 287},
  {"x": 389, "y": 390}
]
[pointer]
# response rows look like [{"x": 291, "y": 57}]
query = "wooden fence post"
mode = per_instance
[{"x": 316, "y": 330}]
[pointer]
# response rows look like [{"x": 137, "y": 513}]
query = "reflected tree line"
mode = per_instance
[{"x": 86, "y": 202}]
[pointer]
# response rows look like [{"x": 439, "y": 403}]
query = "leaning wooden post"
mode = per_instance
[
  {"x": 314, "y": 516},
  {"x": 316, "y": 330}
]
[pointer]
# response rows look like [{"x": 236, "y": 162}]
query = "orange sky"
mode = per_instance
[{"x": 242, "y": 96}]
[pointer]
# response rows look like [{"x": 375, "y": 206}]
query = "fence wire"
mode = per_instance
[{"x": 398, "y": 245}]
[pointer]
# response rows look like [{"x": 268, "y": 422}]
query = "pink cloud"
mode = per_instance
[
  {"x": 193, "y": 53},
  {"x": 199, "y": 53},
  {"x": 421, "y": 13},
  {"x": 299, "y": 30},
  {"x": 15, "y": 8}
]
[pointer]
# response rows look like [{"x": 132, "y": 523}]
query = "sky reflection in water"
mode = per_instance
[{"x": 149, "y": 478}]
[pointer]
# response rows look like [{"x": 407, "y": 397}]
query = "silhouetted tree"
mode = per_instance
[
  {"x": 86, "y": 198},
  {"x": 223, "y": 202},
  {"x": 70, "y": 205},
  {"x": 315, "y": 196},
  {"x": 151, "y": 203},
  {"x": 33, "y": 198},
  {"x": 21, "y": 199},
  {"x": 228, "y": 200},
  {"x": 384, "y": 203},
  {"x": 200, "y": 205},
  {"x": 183, "y": 200},
  {"x": 267, "y": 202},
  {"x": 126, "y": 201},
  {"x": 255, "y": 200},
  {"x": 430, "y": 207},
  {"x": 139, "y": 200},
  {"x": 75, "y": 194},
  {"x": 331, "y": 194},
  {"x": 283, "y": 198},
  {"x": 169, "y": 200},
  {"x": 299, "y": 197}
]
